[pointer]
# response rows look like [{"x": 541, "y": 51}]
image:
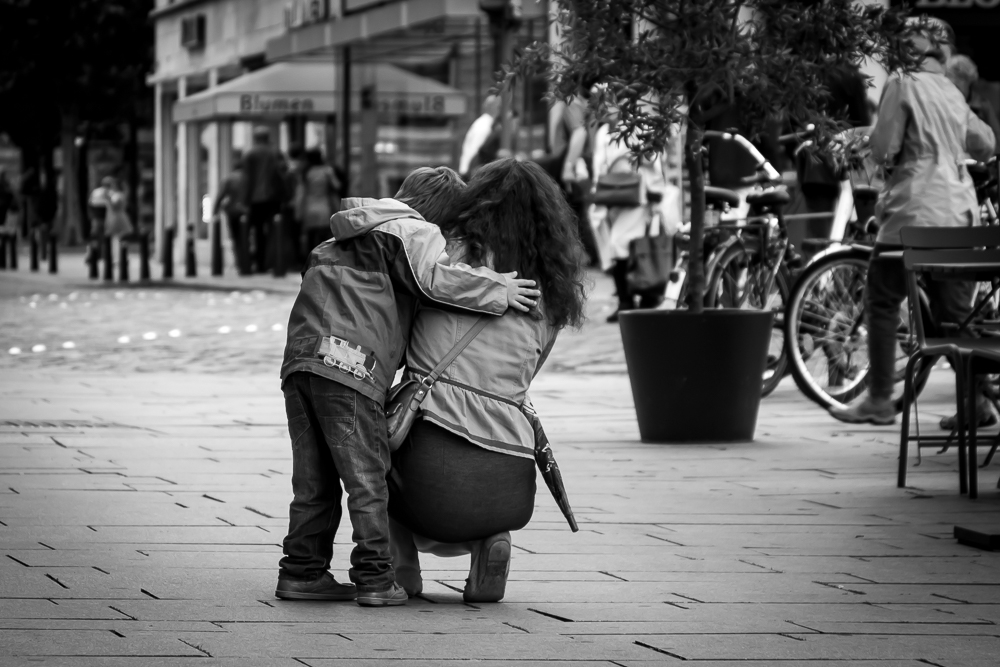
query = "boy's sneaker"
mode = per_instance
[
  {"x": 487, "y": 580},
  {"x": 392, "y": 597},
  {"x": 867, "y": 410},
  {"x": 323, "y": 587}
]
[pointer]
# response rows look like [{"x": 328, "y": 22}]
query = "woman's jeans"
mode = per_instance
[
  {"x": 951, "y": 302},
  {"x": 447, "y": 489},
  {"x": 337, "y": 435}
]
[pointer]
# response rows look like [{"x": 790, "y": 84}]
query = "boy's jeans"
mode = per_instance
[{"x": 337, "y": 435}]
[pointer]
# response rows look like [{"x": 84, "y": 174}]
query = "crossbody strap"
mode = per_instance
[{"x": 457, "y": 350}]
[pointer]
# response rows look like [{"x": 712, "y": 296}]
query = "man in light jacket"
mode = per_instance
[{"x": 924, "y": 133}]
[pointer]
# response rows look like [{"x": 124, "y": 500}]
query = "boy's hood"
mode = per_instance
[{"x": 359, "y": 215}]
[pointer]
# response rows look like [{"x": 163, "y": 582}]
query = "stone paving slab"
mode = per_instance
[{"x": 156, "y": 507}]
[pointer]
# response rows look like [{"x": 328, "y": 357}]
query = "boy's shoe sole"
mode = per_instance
[
  {"x": 335, "y": 597},
  {"x": 488, "y": 578}
]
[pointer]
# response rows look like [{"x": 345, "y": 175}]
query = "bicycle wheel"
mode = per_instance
[
  {"x": 739, "y": 281},
  {"x": 827, "y": 338}
]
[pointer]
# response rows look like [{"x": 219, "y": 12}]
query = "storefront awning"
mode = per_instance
[
  {"x": 312, "y": 89},
  {"x": 386, "y": 32}
]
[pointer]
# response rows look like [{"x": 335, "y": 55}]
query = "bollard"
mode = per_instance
[
  {"x": 144, "y": 256},
  {"x": 3, "y": 251},
  {"x": 278, "y": 247},
  {"x": 33, "y": 262},
  {"x": 244, "y": 246},
  {"x": 190, "y": 260},
  {"x": 217, "y": 246},
  {"x": 109, "y": 261},
  {"x": 12, "y": 244},
  {"x": 123, "y": 261},
  {"x": 168, "y": 252},
  {"x": 53, "y": 253}
]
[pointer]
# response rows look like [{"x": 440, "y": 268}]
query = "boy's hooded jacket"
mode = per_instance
[{"x": 361, "y": 286}]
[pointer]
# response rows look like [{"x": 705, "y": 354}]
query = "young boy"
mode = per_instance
[{"x": 346, "y": 333}]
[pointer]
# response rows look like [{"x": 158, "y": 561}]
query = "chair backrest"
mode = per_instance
[
  {"x": 940, "y": 238},
  {"x": 951, "y": 245}
]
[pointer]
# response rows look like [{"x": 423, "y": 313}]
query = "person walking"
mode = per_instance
[
  {"x": 230, "y": 202},
  {"x": 924, "y": 133},
  {"x": 658, "y": 205},
  {"x": 97, "y": 212},
  {"x": 321, "y": 199},
  {"x": 8, "y": 200},
  {"x": 264, "y": 193}
]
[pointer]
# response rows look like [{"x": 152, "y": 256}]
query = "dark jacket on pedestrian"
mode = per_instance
[
  {"x": 264, "y": 177},
  {"x": 351, "y": 320}
]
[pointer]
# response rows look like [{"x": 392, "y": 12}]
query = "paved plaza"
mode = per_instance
[{"x": 144, "y": 487}]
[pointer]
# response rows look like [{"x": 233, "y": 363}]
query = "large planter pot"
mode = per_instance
[{"x": 696, "y": 378}]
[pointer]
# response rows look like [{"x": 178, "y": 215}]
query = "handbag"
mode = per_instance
[
  {"x": 649, "y": 259},
  {"x": 618, "y": 188},
  {"x": 402, "y": 404}
]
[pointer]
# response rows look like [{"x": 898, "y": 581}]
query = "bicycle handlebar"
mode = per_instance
[
  {"x": 762, "y": 163},
  {"x": 797, "y": 136}
]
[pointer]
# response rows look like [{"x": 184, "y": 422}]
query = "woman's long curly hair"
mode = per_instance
[{"x": 514, "y": 217}]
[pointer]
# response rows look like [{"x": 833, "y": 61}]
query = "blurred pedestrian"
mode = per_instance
[
  {"x": 264, "y": 193},
  {"x": 117, "y": 223},
  {"x": 231, "y": 203},
  {"x": 8, "y": 200},
  {"x": 571, "y": 130},
  {"x": 293, "y": 212},
  {"x": 320, "y": 200},
  {"x": 477, "y": 136},
  {"x": 925, "y": 131},
  {"x": 962, "y": 72},
  {"x": 656, "y": 211},
  {"x": 97, "y": 214}
]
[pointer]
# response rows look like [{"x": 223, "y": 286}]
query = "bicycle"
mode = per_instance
[
  {"x": 753, "y": 268},
  {"x": 826, "y": 335}
]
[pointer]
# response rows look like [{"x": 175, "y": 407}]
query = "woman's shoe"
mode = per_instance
[
  {"x": 985, "y": 418},
  {"x": 487, "y": 580}
]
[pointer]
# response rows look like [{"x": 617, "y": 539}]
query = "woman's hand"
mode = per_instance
[{"x": 520, "y": 294}]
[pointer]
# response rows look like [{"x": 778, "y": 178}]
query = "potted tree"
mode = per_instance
[{"x": 669, "y": 64}]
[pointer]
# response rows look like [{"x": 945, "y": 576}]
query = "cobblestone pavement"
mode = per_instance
[
  {"x": 144, "y": 491},
  {"x": 201, "y": 326}
]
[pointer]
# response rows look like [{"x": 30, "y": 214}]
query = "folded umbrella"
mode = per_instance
[{"x": 546, "y": 461}]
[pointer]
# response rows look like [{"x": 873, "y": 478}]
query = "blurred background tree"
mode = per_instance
[
  {"x": 72, "y": 70},
  {"x": 670, "y": 66}
]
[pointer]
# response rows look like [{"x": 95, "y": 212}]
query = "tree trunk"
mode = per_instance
[
  {"x": 72, "y": 229},
  {"x": 696, "y": 261}
]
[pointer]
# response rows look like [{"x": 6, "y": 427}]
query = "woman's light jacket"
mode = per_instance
[{"x": 479, "y": 395}]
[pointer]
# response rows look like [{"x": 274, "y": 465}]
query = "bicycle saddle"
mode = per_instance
[
  {"x": 771, "y": 197},
  {"x": 718, "y": 196}
]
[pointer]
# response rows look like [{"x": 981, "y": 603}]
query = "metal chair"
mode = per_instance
[{"x": 969, "y": 253}]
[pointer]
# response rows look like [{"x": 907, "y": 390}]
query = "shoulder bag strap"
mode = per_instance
[{"x": 457, "y": 350}]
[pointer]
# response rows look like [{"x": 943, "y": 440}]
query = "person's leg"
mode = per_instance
[
  {"x": 315, "y": 511},
  {"x": 405, "y": 558},
  {"x": 626, "y": 300},
  {"x": 458, "y": 498},
  {"x": 354, "y": 429},
  {"x": 884, "y": 293},
  {"x": 951, "y": 303}
]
